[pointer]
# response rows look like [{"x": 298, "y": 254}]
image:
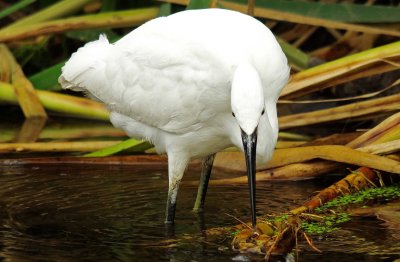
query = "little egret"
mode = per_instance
[{"x": 192, "y": 83}]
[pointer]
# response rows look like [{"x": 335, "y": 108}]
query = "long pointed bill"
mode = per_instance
[{"x": 250, "y": 145}]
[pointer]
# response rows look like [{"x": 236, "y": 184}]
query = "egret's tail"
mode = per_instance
[{"x": 87, "y": 58}]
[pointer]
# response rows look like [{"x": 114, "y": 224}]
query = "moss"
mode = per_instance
[
  {"x": 326, "y": 225},
  {"x": 379, "y": 193},
  {"x": 330, "y": 221}
]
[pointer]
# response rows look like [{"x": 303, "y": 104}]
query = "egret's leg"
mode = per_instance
[
  {"x": 206, "y": 167},
  {"x": 176, "y": 168}
]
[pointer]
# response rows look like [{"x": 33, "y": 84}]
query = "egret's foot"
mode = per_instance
[
  {"x": 198, "y": 205},
  {"x": 176, "y": 167},
  {"x": 170, "y": 212},
  {"x": 170, "y": 220},
  {"x": 197, "y": 209},
  {"x": 200, "y": 222},
  {"x": 169, "y": 230}
]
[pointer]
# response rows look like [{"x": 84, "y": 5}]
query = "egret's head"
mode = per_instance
[{"x": 247, "y": 98}]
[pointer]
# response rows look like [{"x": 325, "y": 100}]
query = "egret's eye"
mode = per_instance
[
  {"x": 263, "y": 112},
  {"x": 233, "y": 114}
]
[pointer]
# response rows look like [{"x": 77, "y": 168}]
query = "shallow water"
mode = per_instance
[{"x": 109, "y": 213}]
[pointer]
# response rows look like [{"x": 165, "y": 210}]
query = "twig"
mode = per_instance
[
  {"x": 297, "y": 248},
  {"x": 278, "y": 237},
  {"x": 240, "y": 221},
  {"x": 310, "y": 243}
]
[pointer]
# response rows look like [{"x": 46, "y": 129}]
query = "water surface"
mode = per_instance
[{"x": 115, "y": 213}]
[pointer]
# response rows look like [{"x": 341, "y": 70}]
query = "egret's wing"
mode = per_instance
[{"x": 164, "y": 84}]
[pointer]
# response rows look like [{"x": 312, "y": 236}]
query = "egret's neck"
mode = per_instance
[
  {"x": 267, "y": 134},
  {"x": 247, "y": 97}
]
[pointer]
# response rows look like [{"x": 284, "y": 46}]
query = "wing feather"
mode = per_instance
[{"x": 163, "y": 85}]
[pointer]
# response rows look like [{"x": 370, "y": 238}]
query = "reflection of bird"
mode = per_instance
[{"x": 192, "y": 83}]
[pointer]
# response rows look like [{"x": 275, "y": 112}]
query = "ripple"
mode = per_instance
[{"x": 117, "y": 213}]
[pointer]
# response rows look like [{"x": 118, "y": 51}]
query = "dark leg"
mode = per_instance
[
  {"x": 207, "y": 165},
  {"x": 176, "y": 168},
  {"x": 200, "y": 222},
  {"x": 171, "y": 207}
]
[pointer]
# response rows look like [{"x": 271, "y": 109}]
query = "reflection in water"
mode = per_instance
[{"x": 105, "y": 213}]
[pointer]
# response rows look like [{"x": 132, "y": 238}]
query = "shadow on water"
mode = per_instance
[{"x": 109, "y": 213}]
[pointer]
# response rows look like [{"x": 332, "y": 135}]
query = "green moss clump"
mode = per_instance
[
  {"x": 379, "y": 193},
  {"x": 326, "y": 225},
  {"x": 329, "y": 222}
]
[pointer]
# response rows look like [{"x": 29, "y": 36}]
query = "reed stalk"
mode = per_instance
[
  {"x": 60, "y": 103},
  {"x": 115, "y": 19}
]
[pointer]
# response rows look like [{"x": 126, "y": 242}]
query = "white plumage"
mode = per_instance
[{"x": 176, "y": 81}]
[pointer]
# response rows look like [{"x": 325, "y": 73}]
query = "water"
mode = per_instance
[{"x": 111, "y": 213}]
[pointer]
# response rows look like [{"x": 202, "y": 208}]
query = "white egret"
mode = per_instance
[{"x": 192, "y": 83}]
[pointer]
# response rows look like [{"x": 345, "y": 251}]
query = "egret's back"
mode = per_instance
[
  {"x": 174, "y": 73},
  {"x": 224, "y": 38}
]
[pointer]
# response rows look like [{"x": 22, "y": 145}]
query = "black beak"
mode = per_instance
[{"x": 250, "y": 146}]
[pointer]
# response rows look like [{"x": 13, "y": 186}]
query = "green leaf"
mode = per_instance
[
  {"x": 198, "y": 4},
  {"x": 59, "y": 103},
  {"x": 57, "y": 10},
  {"x": 165, "y": 9},
  {"x": 92, "y": 34},
  {"x": 15, "y": 7},
  {"x": 344, "y": 12},
  {"x": 48, "y": 78},
  {"x": 123, "y": 18},
  {"x": 108, "y": 6},
  {"x": 131, "y": 144},
  {"x": 295, "y": 56}
]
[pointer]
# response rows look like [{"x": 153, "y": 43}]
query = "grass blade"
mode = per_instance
[
  {"x": 358, "y": 109},
  {"x": 303, "y": 19},
  {"x": 24, "y": 91},
  {"x": 15, "y": 7},
  {"x": 295, "y": 56},
  {"x": 60, "y": 9},
  {"x": 124, "y": 145},
  {"x": 373, "y": 61},
  {"x": 55, "y": 146},
  {"x": 344, "y": 12},
  {"x": 199, "y": 4},
  {"x": 59, "y": 103},
  {"x": 48, "y": 78},
  {"x": 102, "y": 20},
  {"x": 388, "y": 130}
]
